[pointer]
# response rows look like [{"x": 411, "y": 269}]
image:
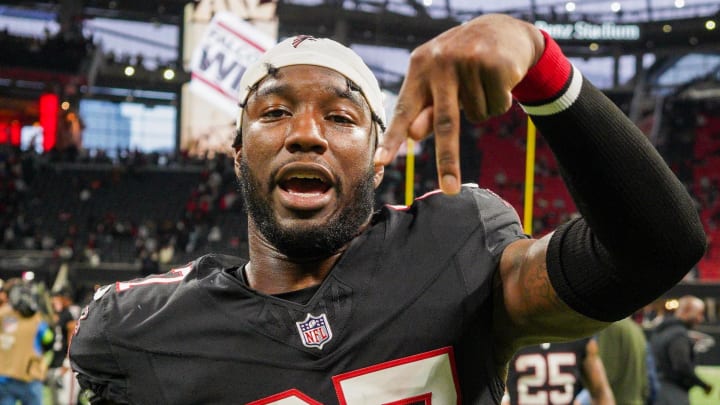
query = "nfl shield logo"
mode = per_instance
[{"x": 314, "y": 331}]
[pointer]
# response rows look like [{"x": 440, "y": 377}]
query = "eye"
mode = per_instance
[
  {"x": 275, "y": 113},
  {"x": 340, "y": 119}
]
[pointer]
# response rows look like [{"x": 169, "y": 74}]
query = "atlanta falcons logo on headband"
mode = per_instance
[{"x": 300, "y": 38}]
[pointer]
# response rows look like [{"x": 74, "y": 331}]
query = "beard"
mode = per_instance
[{"x": 311, "y": 241}]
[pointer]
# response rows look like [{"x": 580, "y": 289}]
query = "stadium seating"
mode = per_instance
[{"x": 151, "y": 216}]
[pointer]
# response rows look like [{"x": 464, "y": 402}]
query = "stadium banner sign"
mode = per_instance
[
  {"x": 208, "y": 108},
  {"x": 586, "y": 31},
  {"x": 228, "y": 46}
]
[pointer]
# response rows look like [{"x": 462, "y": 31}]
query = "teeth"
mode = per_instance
[
  {"x": 303, "y": 192},
  {"x": 306, "y": 176}
]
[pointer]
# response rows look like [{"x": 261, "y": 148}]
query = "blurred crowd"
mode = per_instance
[
  {"x": 198, "y": 209},
  {"x": 62, "y": 52},
  {"x": 77, "y": 222}
]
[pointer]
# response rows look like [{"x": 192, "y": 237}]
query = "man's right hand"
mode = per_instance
[{"x": 473, "y": 66}]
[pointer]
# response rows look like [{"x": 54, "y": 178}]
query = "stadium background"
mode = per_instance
[{"x": 110, "y": 168}]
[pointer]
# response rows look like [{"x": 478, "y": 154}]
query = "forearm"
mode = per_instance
[
  {"x": 595, "y": 377},
  {"x": 604, "y": 397},
  {"x": 692, "y": 379},
  {"x": 639, "y": 225},
  {"x": 601, "y": 393},
  {"x": 617, "y": 178}
]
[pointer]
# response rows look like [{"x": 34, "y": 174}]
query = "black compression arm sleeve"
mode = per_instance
[{"x": 640, "y": 232}]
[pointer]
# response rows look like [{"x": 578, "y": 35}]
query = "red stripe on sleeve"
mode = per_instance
[{"x": 547, "y": 78}]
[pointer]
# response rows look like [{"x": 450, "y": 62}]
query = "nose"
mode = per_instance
[{"x": 306, "y": 134}]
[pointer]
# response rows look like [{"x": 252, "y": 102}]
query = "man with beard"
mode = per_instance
[
  {"x": 340, "y": 304},
  {"x": 673, "y": 349}
]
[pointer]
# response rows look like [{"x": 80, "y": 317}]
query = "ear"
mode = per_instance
[{"x": 379, "y": 174}]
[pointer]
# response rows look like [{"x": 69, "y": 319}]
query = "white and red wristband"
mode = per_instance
[{"x": 552, "y": 85}]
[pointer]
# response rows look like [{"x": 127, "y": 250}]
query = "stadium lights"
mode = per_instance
[
  {"x": 168, "y": 74},
  {"x": 710, "y": 25},
  {"x": 615, "y": 7},
  {"x": 129, "y": 70},
  {"x": 672, "y": 304},
  {"x": 570, "y": 6},
  {"x": 679, "y": 3}
]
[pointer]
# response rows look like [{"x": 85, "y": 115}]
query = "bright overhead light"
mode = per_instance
[
  {"x": 594, "y": 46},
  {"x": 667, "y": 28},
  {"x": 570, "y": 6},
  {"x": 615, "y": 6},
  {"x": 168, "y": 74},
  {"x": 679, "y": 3},
  {"x": 710, "y": 25},
  {"x": 427, "y": 3},
  {"x": 129, "y": 70}
]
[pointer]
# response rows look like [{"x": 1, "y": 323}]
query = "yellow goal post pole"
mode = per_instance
[
  {"x": 409, "y": 172},
  {"x": 529, "y": 178}
]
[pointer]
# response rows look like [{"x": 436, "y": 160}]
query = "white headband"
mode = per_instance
[{"x": 307, "y": 50}]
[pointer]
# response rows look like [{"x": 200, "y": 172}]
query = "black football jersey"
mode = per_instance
[
  {"x": 546, "y": 374},
  {"x": 404, "y": 316}
]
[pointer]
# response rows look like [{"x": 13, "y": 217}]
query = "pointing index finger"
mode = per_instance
[
  {"x": 406, "y": 109},
  {"x": 446, "y": 126}
]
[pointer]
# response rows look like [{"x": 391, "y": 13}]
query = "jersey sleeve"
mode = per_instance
[
  {"x": 497, "y": 225},
  {"x": 91, "y": 355},
  {"x": 477, "y": 221},
  {"x": 500, "y": 221}
]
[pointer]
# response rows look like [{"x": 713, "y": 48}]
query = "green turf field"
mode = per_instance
[{"x": 712, "y": 376}]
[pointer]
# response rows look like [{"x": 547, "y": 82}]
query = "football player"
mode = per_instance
[
  {"x": 554, "y": 373},
  {"x": 339, "y": 303}
]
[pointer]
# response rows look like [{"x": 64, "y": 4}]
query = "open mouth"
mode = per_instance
[
  {"x": 304, "y": 183},
  {"x": 305, "y": 186}
]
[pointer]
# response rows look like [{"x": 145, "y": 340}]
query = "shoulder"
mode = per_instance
[
  {"x": 472, "y": 207},
  {"x": 476, "y": 217},
  {"x": 669, "y": 331},
  {"x": 578, "y": 346},
  {"x": 128, "y": 303},
  {"x": 176, "y": 279},
  {"x": 471, "y": 197},
  {"x": 65, "y": 316},
  {"x": 463, "y": 234},
  {"x": 475, "y": 225},
  {"x": 624, "y": 329}
]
